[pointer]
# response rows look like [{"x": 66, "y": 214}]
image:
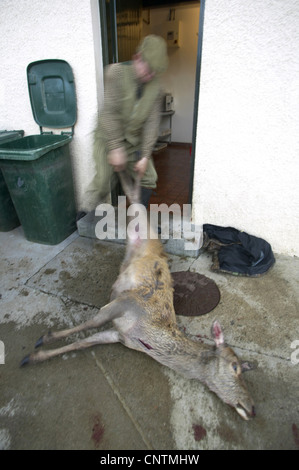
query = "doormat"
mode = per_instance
[{"x": 194, "y": 294}]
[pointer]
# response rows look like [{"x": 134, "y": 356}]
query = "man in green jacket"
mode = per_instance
[{"x": 128, "y": 125}]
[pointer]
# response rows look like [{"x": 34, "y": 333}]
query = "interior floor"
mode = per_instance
[{"x": 173, "y": 165}]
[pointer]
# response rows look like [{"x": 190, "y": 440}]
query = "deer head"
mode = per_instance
[{"x": 224, "y": 375}]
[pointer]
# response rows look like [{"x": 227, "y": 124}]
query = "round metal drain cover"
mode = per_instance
[{"x": 194, "y": 294}]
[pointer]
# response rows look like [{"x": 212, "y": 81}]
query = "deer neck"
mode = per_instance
[{"x": 189, "y": 358}]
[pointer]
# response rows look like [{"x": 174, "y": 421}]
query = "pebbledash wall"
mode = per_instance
[
  {"x": 247, "y": 149},
  {"x": 37, "y": 29},
  {"x": 246, "y": 162}
]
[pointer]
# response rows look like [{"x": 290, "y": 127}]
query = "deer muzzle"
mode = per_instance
[{"x": 245, "y": 413}]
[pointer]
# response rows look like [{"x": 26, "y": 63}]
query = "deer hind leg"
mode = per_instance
[
  {"x": 131, "y": 188},
  {"x": 103, "y": 337}
]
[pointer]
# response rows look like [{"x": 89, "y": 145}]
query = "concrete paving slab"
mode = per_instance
[
  {"x": 84, "y": 271},
  {"x": 260, "y": 319},
  {"x": 21, "y": 258},
  {"x": 110, "y": 397},
  {"x": 64, "y": 405},
  {"x": 258, "y": 314},
  {"x": 57, "y": 296},
  {"x": 209, "y": 424}
]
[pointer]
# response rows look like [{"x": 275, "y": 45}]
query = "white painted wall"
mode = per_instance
[
  {"x": 246, "y": 168},
  {"x": 180, "y": 76},
  {"x": 37, "y": 29}
]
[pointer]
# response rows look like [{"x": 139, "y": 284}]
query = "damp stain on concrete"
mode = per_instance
[
  {"x": 49, "y": 271},
  {"x": 64, "y": 275},
  {"x": 83, "y": 272}
]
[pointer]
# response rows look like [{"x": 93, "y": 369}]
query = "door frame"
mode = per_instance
[
  {"x": 108, "y": 16},
  {"x": 196, "y": 97}
]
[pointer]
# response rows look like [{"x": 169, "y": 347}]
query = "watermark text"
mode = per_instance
[{"x": 134, "y": 222}]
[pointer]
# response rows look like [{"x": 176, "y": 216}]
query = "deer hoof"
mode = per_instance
[
  {"x": 39, "y": 342},
  {"x": 25, "y": 361}
]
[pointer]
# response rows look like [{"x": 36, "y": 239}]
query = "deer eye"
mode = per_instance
[{"x": 235, "y": 366}]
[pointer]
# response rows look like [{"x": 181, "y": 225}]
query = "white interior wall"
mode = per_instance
[
  {"x": 180, "y": 76},
  {"x": 69, "y": 30},
  {"x": 246, "y": 166}
]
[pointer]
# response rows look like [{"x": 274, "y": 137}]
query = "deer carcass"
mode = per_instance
[{"x": 141, "y": 310}]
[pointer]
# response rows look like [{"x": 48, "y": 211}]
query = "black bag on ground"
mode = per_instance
[{"x": 237, "y": 252}]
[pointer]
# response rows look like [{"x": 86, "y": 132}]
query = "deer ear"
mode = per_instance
[{"x": 217, "y": 333}]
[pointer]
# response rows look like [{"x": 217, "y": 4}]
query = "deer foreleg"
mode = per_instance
[
  {"x": 106, "y": 313},
  {"x": 103, "y": 337}
]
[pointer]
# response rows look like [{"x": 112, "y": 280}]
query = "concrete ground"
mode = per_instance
[{"x": 113, "y": 398}]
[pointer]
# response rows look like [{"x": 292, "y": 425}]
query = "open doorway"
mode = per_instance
[
  {"x": 178, "y": 23},
  {"x": 126, "y": 24}
]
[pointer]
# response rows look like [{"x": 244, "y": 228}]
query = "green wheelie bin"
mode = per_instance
[{"x": 37, "y": 169}]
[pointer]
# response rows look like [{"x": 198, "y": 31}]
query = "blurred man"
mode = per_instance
[{"x": 128, "y": 124}]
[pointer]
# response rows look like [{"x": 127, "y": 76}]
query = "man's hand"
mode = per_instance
[
  {"x": 118, "y": 159},
  {"x": 141, "y": 166}
]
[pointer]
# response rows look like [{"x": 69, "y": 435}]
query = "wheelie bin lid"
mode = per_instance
[
  {"x": 53, "y": 101},
  {"x": 52, "y": 93}
]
